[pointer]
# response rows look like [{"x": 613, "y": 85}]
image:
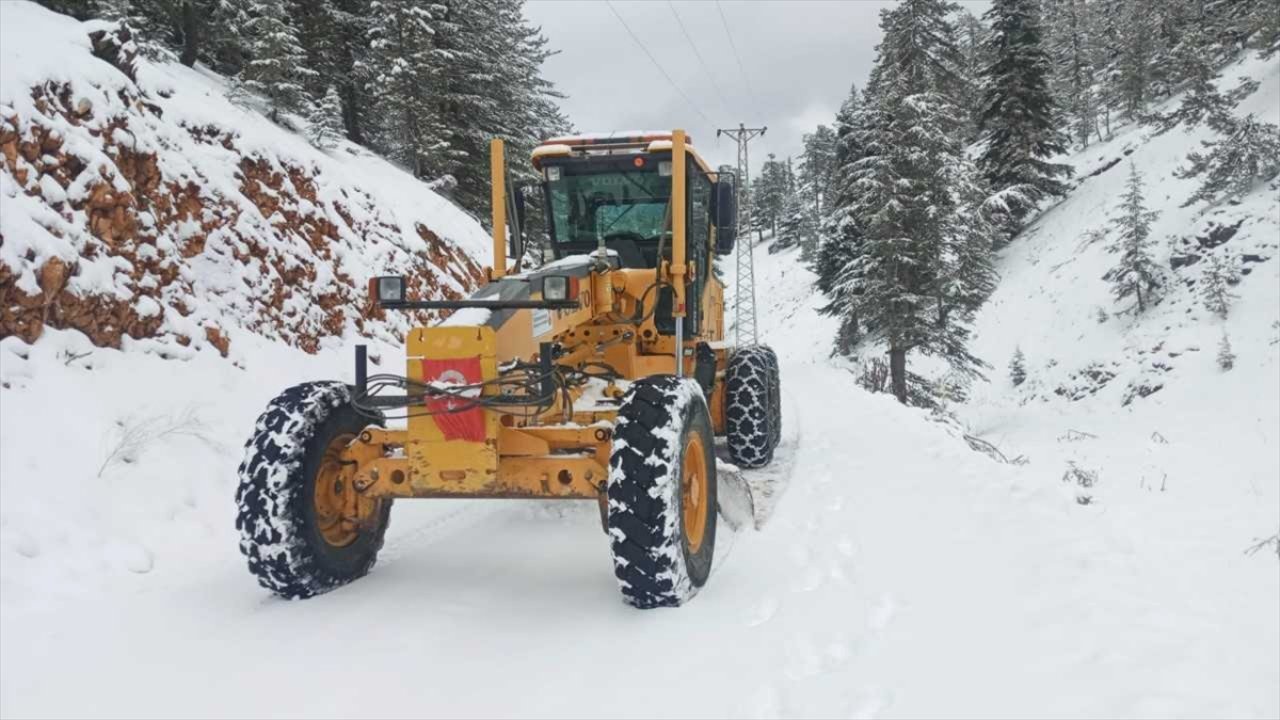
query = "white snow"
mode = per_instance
[{"x": 896, "y": 572}]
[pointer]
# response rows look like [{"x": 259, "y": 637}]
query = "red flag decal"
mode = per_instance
[{"x": 459, "y": 425}]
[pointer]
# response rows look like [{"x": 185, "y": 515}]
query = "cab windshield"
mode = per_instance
[{"x": 616, "y": 205}]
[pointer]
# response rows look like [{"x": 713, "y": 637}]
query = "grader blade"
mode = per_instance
[{"x": 733, "y": 496}]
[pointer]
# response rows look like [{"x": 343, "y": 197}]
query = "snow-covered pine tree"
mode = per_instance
[
  {"x": 490, "y": 85},
  {"x": 791, "y": 224},
  {"x": 905, "y": 201},
  {"x": 1136, "y": 275},
  {"x": 350, "y": 71},
  {"x": 1073, "y": 69},
  {"x": 1018, "y": 367},
  {"x": 226, "y": 47},
  {"x": 1132, "y": 77},
  {"x": 841, "y": 233},
  {"x": 276, "y": 69},
  {"x": 1215, "y": 285},
  {"x": 769, "y": 193},
  {"x": 814, "y": 180},
  {"x": 324, "y": 128},
  {"x": 151, "y": 22},
  {"x": 316, "y": 27},
  {"x": 975, "y": 57},
  {"x": 1102, "y": 23},
  {"x": 401, "y": 78},
  {"x": 1202, "y": 100},
  {"x": 1244, "y": 153},
  {"x": 1226, "y": 356},
  {"x": 795, "y": 222},
  {"x": 1263, "y": 24},
  {"x": 1017, "y": 121}
]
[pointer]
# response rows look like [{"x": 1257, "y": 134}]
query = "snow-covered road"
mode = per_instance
[{"x": 900, "y": 574}]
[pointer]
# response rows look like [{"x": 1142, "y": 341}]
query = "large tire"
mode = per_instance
[
  {"x": 282, "y": 533},
  {"x": 775, "y": 397},
  {"x": 753, "y": 407},
  {"x": 662, "y": 492}
]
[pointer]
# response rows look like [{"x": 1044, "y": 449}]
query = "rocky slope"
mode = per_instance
[{"x": 145, "y": 209}]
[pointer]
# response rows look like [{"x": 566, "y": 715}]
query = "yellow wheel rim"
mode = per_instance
[
  {"x": 339, "y": 510},
  {"x": 693, "y": 487}
]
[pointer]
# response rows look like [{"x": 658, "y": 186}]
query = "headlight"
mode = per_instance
[
  {"x": 390, "y": 289},
  {"x": 664, "y": 168},
  {"x": 559, "y": 287}
]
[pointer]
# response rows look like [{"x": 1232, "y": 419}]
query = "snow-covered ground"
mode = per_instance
[{"x": 900, "y": 574}]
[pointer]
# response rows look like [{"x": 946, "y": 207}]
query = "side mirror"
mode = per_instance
[
  {"x": 725, "y": 212},
  {"x": 520, "y": 207},
  {"x": 515, "y": 222}
]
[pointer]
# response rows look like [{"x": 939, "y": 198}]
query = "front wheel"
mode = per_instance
[
  {"x": 303, "y": 527},
  {"x": 662, "y": 492}
]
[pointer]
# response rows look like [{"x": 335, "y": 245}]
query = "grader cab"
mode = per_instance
[{"x": 602, "y": 375}]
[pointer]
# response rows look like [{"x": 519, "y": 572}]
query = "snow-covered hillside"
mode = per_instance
[
  {"x": 1185, "y": 453},
  {"x": 140, "y": 204}
]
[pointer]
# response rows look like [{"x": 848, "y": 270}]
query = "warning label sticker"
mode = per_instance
[{"x": 541, "y": 322}]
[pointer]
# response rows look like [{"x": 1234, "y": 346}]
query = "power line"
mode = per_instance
[
  {"x": 724, "y": 106},
  {"x": 751, "y": 93},
  {"x": 656, "y": 64}
]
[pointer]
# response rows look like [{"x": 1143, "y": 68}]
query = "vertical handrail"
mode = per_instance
[
  {"x": 498, "y": 200},
  {"x": 678, "y": 269}
]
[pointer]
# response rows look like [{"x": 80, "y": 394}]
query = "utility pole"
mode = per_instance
[{"x": 744, "y": 296}]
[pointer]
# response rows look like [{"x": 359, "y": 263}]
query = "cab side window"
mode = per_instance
[{"x": 699, "y": 239}]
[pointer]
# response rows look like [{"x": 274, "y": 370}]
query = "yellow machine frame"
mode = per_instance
[{"x": 556, "y": 454}]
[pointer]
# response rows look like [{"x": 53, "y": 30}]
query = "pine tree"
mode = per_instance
[
  {"x": 276, "y": 68},
  {"x": 1132, "y": 78},
  {"x": 814, "y": 179},
  {"x": 1074, "y": 71},
  {"x": 1103, "y": 20},
  {"x": 150, "y": 21},
  {"x": 490, "y": 85},
  {"x": 769, "y": 193},
  {"x": 1017, "y": 122},
  {"x": 975, "y": 57},
  {"x": 1245, "y": 152},
  {"x": 1018, "y": 367},
  {"x": 401, "y": 76},
  {"x": 793, "y": 224},
  {"x": 1202, "y": 101},
  {"x": 325, "y": 120},
  {"x": 841, "y": 233},
  {"x": 1226, "y": 356},
  {"x": 227, "y": 48},
  {"x": 1215, "y": 285},
  {"x": 901, "y": 283},
  {"x": 1137, "y": 274},
  {"x": 1263, "y": 26}
]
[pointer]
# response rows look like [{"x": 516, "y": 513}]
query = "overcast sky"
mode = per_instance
[{"x": 800, "y": 58}]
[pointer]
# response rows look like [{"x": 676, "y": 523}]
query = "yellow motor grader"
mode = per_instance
[{"x": 602, "y": 375}]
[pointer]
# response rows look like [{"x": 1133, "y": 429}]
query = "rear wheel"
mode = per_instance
[
  {"x": 303, "y": 528},
  {"x": 662, "y": 492},
  {"x": 753, "y": 407}
]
